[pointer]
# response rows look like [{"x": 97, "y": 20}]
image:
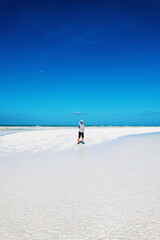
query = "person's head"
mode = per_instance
[{"x": 81, "y": 121}]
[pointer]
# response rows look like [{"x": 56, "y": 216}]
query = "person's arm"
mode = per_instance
[{"x": 79, "y": 125}]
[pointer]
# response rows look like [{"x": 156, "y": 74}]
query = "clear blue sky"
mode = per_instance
[{"x": 62, "y": 61}]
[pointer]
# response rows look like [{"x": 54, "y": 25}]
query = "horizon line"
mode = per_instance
[{"x": 74, "y": 125}]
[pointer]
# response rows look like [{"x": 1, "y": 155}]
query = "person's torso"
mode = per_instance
[{"x": 81, "y": 128}]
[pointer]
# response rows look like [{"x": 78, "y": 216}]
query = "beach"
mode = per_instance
[
  {"x": 51, "y": 139},
  {"x": 52, "y": 188}
]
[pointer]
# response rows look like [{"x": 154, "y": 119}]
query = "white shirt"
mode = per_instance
[{"x": 81, "y": 128}]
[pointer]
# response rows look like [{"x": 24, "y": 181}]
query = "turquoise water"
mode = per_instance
[{"x": 7, "y": 132}]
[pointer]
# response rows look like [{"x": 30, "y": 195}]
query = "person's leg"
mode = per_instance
[
  {"x": 78, "y": 138},
  {"x": 83, "y": 138}
]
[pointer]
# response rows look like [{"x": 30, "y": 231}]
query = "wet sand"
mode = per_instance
[{"x": 108, "y": 191}]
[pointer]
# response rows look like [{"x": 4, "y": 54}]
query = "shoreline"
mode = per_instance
[{"x": 59, "y": 139}]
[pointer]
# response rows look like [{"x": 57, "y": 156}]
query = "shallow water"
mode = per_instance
[
  {"x": 110, "y": 191},
  {"x": 7, "y": 132}
]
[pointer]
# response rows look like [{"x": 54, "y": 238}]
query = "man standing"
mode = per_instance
[{"x": 81, "y": 132}]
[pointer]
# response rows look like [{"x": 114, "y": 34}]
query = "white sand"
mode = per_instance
[
  {"x": 57, "y": 139},
  {"x": 109, "y": 191}
]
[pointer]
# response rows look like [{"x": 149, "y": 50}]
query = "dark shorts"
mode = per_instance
[{"x": 80, "y": 134}]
